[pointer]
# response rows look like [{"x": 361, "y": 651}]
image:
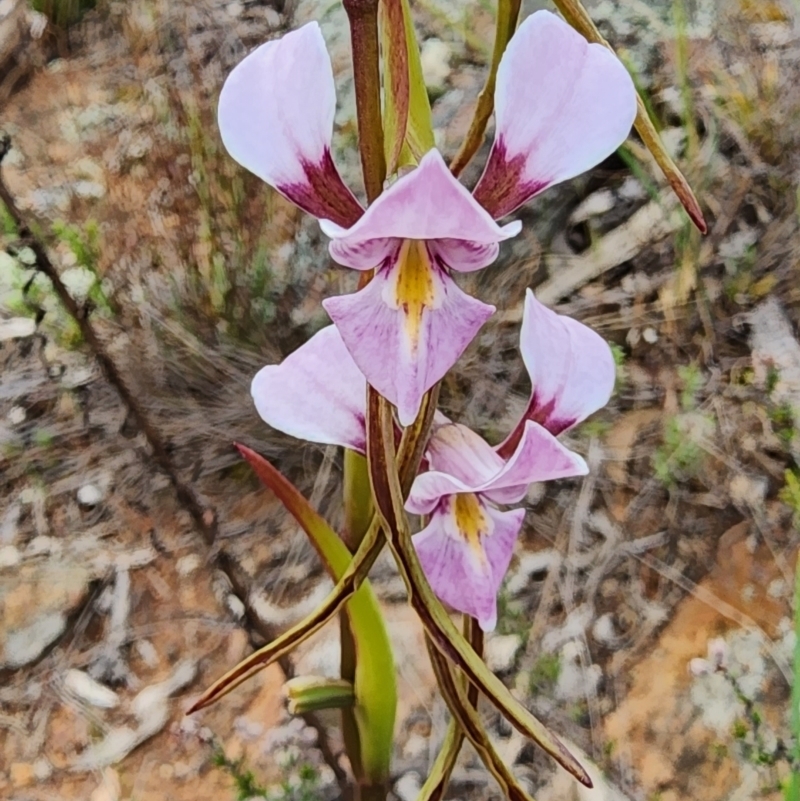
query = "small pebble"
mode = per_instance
[
  {"x": 186, "y": 565},
  {"x": 17, "y": 415},
  {"x": 90, "y": 495},
  {"x": 83, "y": 686},
  {"x": 9, "y": 556},
  {"x": 408, "y": 786}
]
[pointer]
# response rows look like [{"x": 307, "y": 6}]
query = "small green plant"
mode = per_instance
[
  {"x": 692, "y": 379},
  {"x": 300, "y": 782},
  {"x": 244, "y": 780},
  {"x": 680, "y": 457},
  {"x": 63, "y": 13},
  {"x": 544, "y": 673}
]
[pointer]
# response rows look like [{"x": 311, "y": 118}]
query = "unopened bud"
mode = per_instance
[{"x": 312, "y": 693}]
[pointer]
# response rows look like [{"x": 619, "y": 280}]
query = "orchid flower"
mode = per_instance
[
  {"x": 318, "y": 394},
  {"x": 467, "y": 546},
  {"x": 561, "y": 106}
]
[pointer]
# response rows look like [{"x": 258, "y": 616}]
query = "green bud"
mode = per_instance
[{"x": 312, "y": 693}]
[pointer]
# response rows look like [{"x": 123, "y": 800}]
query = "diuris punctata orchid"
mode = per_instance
[
  {"x": 562, "y": 105},
  {"x": 319, "y": 394}
]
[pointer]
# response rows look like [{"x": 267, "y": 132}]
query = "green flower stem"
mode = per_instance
[
  {"x": 507, "y": 15},
  {"x": 577, "y": 16},
  {"x": 471, "y": 725},
  {"x": 438, "y": 625},
  {"x": 358, "y": 514},
  {"x": 435, "y": 785},
  {"x": 363, "y": 18}
]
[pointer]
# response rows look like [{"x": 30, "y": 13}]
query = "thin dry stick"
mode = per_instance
[
  {"x": 203, "y": 516},
  {"x": 507, "y": 15}
]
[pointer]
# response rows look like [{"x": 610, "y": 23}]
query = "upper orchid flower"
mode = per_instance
[
  {"x": 561, "y": 106},
  {"x": 319, "y": 394}
]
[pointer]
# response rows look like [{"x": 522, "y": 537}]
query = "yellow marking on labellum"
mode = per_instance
[
  {"x": 471, "y": 522},
  {"x": 414, "y": 289}
]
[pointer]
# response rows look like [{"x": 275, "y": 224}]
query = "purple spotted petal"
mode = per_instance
[
  {"x": 562, "y": 105},
  {"x": 407, "y": 327},
  {"x": 317, "y": 393},
  {"x": 571, "y": 368},
  {"x": 276, "y": 119},
  {"x": 426, "y": 204},
  {"x": 463, "y": 572}
]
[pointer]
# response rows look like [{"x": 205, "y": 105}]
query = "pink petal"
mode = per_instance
[
  {"x": 538, "y": 457},
  {"x": 407, "y": 327},
  {"x": 461, "y": 461},
  {"x": 562, "y": 105},
  {"x": 429, "y": 204},
  {"x": 571, "y": 368},
  {"x": 317, "y": 393},
  {"x": 462, "y": 572},
  {"x": 276, "y": 119}
]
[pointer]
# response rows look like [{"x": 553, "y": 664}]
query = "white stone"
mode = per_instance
[
  {"x": 186, "y": 565},
  {"x": 42, "y": 769},
  {"x": 408, "y": 786},
  {"x": 9, "y": 556},
  {"x": 650, "y": 335},
  {"x": 79, "y": 281},
  {"x": 235, "y": 606},
  {"x": 501, "y": 651},
  {"x": 147, "y": 652},
  {"x": 17, "y": 328},
  {"x": 435, "y": 58},
  {"x": 83, "y": 686},
  {"x": 90, "y": 495},
  {"x": 596, "y": 204},
  {"x": 16, "y": 415}
]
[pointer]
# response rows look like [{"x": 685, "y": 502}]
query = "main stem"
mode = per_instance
[{"x": 363, "y": 18}]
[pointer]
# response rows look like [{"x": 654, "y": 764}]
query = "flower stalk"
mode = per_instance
[{"x": 363, "y": 18}]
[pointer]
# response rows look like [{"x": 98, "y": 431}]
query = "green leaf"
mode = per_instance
[
  {"x": 408, "y": 128},
  {"x": 375, "y": 681}
]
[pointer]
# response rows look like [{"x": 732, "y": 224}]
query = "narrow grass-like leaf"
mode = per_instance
[
  {"x": 435, "y": 785},
  {"x": 374, "y": 681},
  {"x": 437, "y": 623},
  {"x": 507, "y": 15},
  {"x": 408, "y": 128},
  {"x": 471, "y": 725}
]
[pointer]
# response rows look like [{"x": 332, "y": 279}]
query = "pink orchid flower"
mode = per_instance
[
  {"x": 562, "y": 105},
  {"x": 318, "y": 393}
]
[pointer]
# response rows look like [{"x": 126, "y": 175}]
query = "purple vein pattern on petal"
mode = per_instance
[
  {"x": 571, "y": 369},
  {"x": 426, "y": 204},
  {"x": 317, "y": 393},
  {"x": 467, "y": 575},
  {"x": 407, "y": 327},
  {"x": 276, "y": 119},
  {"x": 562, "y": 105}
]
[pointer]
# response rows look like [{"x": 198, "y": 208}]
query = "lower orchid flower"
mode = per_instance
[
  {"x": 562, "y": 105},
  {"x": 319, "y": 394}
]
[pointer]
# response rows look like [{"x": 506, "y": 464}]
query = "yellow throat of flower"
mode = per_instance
[
  {"x": 471, "y": 522},
  {"x": 414, "y": 290}
]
